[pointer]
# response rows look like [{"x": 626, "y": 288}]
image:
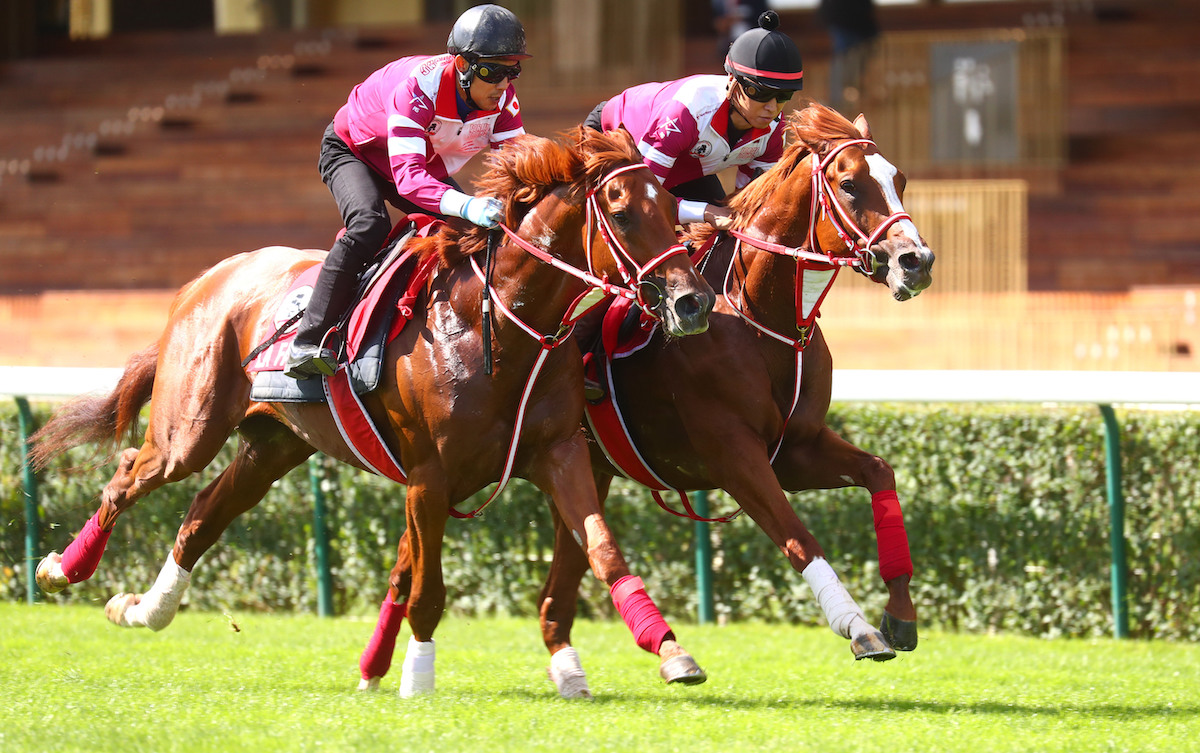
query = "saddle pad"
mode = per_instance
[{"x": 376, "y": 319}]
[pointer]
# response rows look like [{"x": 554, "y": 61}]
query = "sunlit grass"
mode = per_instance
[{"x": 69, "y": 681}]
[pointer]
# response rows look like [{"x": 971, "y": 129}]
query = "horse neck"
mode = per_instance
[
  {"x": 535, "y": 291},
  {"x": 763, "y": 283}
]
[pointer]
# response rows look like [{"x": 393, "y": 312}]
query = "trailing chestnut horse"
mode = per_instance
[
  {"x": 742, "y": 408},
  {"x": 452, "y": 428}
]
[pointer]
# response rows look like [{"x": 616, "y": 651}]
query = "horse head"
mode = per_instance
[
  {"x": 634, "y": 220},
  {"x": 859, "y": 194}
]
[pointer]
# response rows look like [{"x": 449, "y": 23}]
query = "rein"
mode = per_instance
[{"x": 599, "y": 289}]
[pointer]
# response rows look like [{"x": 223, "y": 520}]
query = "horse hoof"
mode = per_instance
[
  {"x": 369, "y": 683},
  {"x": 49, "y": 575},
  {"x": 682, "y": 669},
  {"x": 901, "y": 634},
  {"x": 114, "y": 610},
  {"x": 871, "y": 645}
]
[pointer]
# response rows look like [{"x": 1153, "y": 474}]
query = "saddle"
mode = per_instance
[{"x": 387, "y": 290}]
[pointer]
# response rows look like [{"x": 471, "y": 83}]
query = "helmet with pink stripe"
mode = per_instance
[{"x": 765, "y": 57}]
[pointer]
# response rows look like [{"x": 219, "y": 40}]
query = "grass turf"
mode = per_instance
[{"x": 69, "y": 681}]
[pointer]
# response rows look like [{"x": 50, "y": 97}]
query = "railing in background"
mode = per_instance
[
  {"x": 977, "y": 229},
  {"x": 1103, "y": 389}
]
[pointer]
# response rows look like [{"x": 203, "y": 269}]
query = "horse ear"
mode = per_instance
[{"x": 861, "y": 124}]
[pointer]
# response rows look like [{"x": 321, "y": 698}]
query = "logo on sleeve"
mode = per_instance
[
  {"x": 419, "y": 102},
  {"x": 701, "y": 149},
  {"x": 667, "y": 128},
  {"x": 514, "y": 107}
]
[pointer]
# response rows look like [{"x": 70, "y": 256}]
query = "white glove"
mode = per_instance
[{"x": 483, "y": 211}]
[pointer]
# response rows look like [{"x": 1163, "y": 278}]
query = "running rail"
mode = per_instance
[{"x": 1179, "y": 390}]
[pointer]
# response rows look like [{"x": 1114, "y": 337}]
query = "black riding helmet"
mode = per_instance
[
  {"x": 766, "y": 58},
  {"x": 486, "y": 31}
]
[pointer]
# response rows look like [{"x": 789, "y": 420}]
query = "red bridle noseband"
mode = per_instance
[{"x": 822, "y": 202}]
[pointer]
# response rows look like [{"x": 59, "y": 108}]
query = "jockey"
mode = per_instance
[
  {"x": 401, "y": 135},
  {"x": 690, "y": 129}
]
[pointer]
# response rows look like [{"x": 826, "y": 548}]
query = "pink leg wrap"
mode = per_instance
[
  {"x": 376, "y": 658},
  {"x": 82, "y": 556},
  {"x": 640, "y": 614},
  {"x": 890, "y": 536}
]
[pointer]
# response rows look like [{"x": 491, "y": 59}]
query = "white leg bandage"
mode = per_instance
[
  {"x": 845, "y": 617},
  {"x": 567, "y": 673},
  {"x": 160, "y": 604},
  {"x": 416, "y": 675}
]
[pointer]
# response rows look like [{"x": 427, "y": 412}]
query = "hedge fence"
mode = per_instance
[{"x": 1005, "y": 507}]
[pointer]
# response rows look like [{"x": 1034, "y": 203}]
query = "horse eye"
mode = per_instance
[
  {"x": 621, "y": 218},
  {"x": 848, "y": 187}
]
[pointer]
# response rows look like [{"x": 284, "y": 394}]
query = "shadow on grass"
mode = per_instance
[{"x": 725, "y": 701}]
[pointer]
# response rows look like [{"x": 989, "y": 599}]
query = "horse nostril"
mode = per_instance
[
  {"x": 689, "y": 307},
  {"x": 910, "y": 262}
]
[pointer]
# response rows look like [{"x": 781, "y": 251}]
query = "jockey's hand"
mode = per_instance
[
  {"x": 483, "y": 211},
  {"x": 718, "y": 216}
]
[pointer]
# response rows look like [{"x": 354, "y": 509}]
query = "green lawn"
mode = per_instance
[{"x": 69, "y": 681}]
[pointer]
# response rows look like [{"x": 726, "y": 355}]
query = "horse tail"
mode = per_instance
[{"x": 101, "y": 420}]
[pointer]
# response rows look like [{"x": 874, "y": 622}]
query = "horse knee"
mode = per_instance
[{"x": 877, "y": 474}]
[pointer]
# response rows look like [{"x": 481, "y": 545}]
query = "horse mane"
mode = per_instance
[
  {"x": 812, "y": 129},
  {"x": 528, "y": 168}
]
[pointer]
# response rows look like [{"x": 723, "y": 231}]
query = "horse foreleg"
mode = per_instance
[
  {"x": 563, "y": 474},
  {"x": 829, "y": 462},
  {"x": 266, "y": 451},
  {"x": 376, "y": 658}
]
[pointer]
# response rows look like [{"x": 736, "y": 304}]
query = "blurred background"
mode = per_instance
[{"x": 1050, "y": 147}]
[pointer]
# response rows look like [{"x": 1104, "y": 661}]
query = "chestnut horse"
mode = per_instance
[
  {"x": 742, "y": 408},
  {"x": 453, "y": 428}
]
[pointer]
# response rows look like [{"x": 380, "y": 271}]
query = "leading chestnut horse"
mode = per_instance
[
  {"x": 452, "y": 428},
  {"x": 742, "y": 407}
]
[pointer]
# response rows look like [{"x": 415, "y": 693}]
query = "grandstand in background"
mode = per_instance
[{"x": 1065, "y": 212}]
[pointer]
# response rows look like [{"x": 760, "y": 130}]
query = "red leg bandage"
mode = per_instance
[
  {"x": 82, "y": 556},
  {"x": 376, "y": 658},
  {"x": 890, "y": 536},
  {"x": 640, "y": 614}
]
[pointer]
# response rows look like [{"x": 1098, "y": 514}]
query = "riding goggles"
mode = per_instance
[
  {"x": 764, "y": 94},
  {"x": 494, "y": 73}
]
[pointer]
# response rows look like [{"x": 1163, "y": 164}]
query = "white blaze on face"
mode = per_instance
[
  {"x": 884, "y": 173},
  {"x": 652, "y": 192}
]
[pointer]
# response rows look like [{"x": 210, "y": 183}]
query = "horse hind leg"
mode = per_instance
[
  {"x": 266, "y": 451},
  {"x": 376, "y": 658},
  {"x": 139, "y": 472}
]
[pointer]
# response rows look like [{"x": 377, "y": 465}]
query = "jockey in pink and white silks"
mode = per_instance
[
  {"x": 690, "y": 129},
  {"x": 400, "y": 136}
]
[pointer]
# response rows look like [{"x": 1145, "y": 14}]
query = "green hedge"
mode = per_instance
[{"x": 1005, "y": 507}]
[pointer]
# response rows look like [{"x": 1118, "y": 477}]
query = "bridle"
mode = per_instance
[{"x": 633, "y": 275}]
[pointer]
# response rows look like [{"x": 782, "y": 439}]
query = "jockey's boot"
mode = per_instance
[
  {"x": 306, "y": 360},
  {"x": 308, "y": 355},
  {"x": 593, "y": 392}
]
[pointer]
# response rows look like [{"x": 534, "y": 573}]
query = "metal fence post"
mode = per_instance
[
  {"x": 321, "y": 540},
  {"x": 704, "y": 586},
  {"x": 1116, "y": 512},
  {"x": 32, "y": 517}
]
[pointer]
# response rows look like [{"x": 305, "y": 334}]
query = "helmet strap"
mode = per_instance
[{"x": 465, "y": 78}]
